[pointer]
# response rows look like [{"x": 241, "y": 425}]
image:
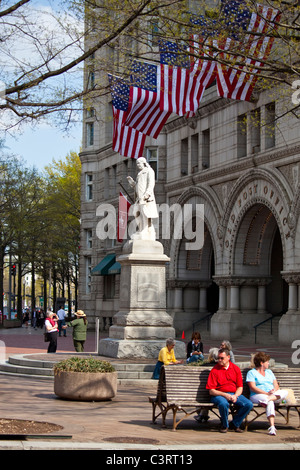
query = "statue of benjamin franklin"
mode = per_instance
[{"x": 145, "y": 206}]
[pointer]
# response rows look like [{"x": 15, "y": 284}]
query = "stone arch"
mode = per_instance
[
  {"x": 212, "y": 217},
  {"x": 257, "y": 260},
  {"x": 257, "y": 226},
  {"x": 258, "y": 188},
  {"x": 191, "y": 292},
  {"x": 294, "y": 222}
]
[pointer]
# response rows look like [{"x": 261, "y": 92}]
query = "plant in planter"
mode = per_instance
[
  {"x": 85, "y": 379},
  {"x": 202, "y": 363}
]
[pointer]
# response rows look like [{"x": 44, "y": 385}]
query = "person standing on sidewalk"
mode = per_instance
[
  {"x": 225, "y": 385},
  {"x": 61, "y": 321},
  {"x": 79, "y": 330},
  {"x": 52, "y": 329}
]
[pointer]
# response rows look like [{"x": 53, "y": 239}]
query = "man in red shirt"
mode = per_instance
[{"x": 225, "y": 385}]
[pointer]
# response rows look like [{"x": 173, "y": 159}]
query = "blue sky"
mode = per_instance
[{"x": 40, "y": 146}]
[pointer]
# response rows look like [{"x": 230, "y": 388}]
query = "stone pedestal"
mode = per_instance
[{"x": 142, "y": 325}]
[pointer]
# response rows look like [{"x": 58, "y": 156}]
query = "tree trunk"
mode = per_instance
[
  {"x": 32, "y": 284},
  {"x": 19, "y": 291},
  {"x": 2, "y": 254}
]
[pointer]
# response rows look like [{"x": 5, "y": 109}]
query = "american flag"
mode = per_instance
[
  {"x": 202, "y": 49},
  {"x": 144, "y": 113},
  {"x": 250, "y": 31},
  {"x": 174, "y": 78},
  {"x": 183, "y": 78},
  {"x": 126, "y": 141}
]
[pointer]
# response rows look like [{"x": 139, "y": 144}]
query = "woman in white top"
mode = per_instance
[
  {"x": 52, "y": 329},
  {"x": 264, "y": 388}
]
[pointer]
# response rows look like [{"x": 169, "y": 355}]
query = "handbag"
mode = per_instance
[
  {"x": 290, "y": 399},
  {"x": 46, "y": 337}
]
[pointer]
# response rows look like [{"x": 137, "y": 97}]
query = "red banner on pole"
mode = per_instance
[{"x": 124, "y": 206}]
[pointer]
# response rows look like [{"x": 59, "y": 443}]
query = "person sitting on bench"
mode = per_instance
[{"x": 225, "y": 385}]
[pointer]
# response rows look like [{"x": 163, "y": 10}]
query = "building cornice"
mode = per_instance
[
  {"x": 211, "y": 105},
  {"x": 232, "y": 171}
]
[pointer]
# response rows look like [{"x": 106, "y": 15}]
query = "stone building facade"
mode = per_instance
[{"x": 243, "y": 164}]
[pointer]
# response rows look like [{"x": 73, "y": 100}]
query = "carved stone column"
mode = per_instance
[
  {"x": 203, "y": 300},
  {"x": 224, "y": 292},
  {"x": 289, "y": 324},
  {"x": 293, "y": 280},
  {"x": 241, "y": 298},
  {"x": 203, "y": 286},
  {"x": 262, "y": 294},
  {"x": 235, "y": 298},
  {"x": 178, "y": 298}
]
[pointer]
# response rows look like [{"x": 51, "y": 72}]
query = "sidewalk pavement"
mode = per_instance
[
  {"x": 123, "y": 423},
  {"x": 29, "y": 340}
]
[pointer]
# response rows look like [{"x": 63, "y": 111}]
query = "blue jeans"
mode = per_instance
[
  {"x": 61, "y": 323},
  {"x": 195, "y": 358},
  {"x": 243, "y": 404}
]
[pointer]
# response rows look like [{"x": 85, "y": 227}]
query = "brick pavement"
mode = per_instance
[
  {"x": 125, "y": 421},
  {"x": 27, "y": 340},
  {"x": 127, "y": 418}
]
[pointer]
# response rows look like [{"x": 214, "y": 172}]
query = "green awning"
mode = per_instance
[
  {"x": 115, "y": 268},
  {"x": 102, "y": 268}
]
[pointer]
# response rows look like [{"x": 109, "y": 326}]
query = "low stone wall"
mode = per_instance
[{"x": 12, "y": 323}]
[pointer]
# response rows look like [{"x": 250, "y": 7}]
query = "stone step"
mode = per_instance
[
  {"x": 19, "y": 359},
  {"x": 20, "y": 365},
  {"x": 8, "y": 368},
  {"x": 128, "y": 373},
  {"x": 263, "y": 333}
]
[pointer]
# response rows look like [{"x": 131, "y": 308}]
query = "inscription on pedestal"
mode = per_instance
[{"x": 147, "y": 288}]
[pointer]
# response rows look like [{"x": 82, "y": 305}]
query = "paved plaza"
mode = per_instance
[{"x": 124, "y": 423}]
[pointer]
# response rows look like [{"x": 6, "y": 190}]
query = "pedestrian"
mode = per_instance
[
  {"x": 61, "y": 321},
  {"x": 51, "y": 329},
  {"x": 34, "y": 319},
  {"x": 26, "y": 318},
  {"x": 225, "y": 385},
  {"x": 41, "y": 318},
  {"x": 79, "y": 330}
]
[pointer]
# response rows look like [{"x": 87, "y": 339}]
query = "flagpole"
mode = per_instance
[{"x": 131, "y": 200}]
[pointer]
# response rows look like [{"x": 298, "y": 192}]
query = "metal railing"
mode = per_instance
[
  {"x": 270, "y": 319},
  {"x": 205, "y": 318}
]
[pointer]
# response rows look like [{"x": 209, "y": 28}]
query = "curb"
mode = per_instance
[{"x": 48, "y": 445}]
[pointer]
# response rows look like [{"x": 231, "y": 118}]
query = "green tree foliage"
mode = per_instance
[
  {"x": 39, "y": 222},
  {"x": 63, "y": 211}
]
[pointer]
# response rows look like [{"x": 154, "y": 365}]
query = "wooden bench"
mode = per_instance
[{"x": 183, "y": 389}]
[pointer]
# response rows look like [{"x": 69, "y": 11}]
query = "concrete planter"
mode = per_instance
[
  {"x": 12, "y": 323},
  {"x": 85, "y": 386}
]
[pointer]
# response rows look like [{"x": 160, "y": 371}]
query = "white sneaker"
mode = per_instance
[{"x": 272, "y": 430}]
